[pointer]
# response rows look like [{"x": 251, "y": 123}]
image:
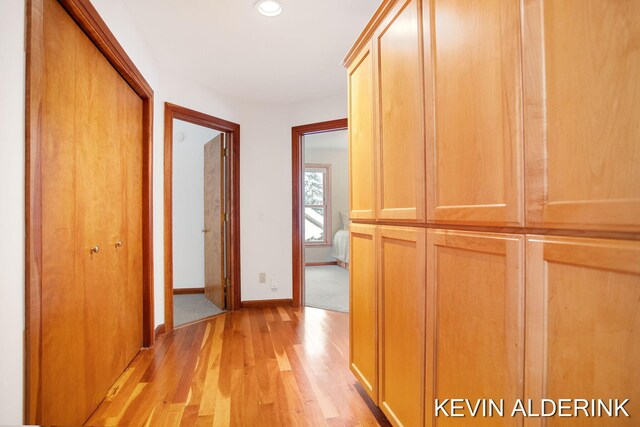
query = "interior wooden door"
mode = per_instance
[
  {"x": 583, "y": 324},
  {"x": 362, "y": 136},
  {"x": 363, "y": 308},
  {"x": 582, "y": 103},
  {"x": 401, "y": 274},
  {"x": 400, "y": 114},
  {"x": 475, "y": 144},
  {"x": 91, "y": 223},
  {"x": 475, "y": 321},
  {"x": 213, "y": 232}
]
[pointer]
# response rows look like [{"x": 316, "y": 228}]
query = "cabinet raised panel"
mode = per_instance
[
  {"x": 363, "y": 308},
  {"x": 582, "y": 104},
  {"x": 400, "y": 114},
  {"x": 362, "y": 136},
  {"x": 475, "y": 319},
  {"x": 583, "y": 323},
  {"x": 401, "y": 273},
  {"x": 472, "y": 56}
]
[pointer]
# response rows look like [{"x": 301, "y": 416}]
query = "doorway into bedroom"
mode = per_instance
[{"x": 325, "y": 225}]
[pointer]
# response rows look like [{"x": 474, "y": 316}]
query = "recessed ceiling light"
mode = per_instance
[{"x": 269, "y": 7}]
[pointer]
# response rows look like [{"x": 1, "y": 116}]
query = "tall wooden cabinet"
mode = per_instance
[{"x": 507, "y": 133}]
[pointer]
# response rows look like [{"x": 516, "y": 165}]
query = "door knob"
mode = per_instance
[
  {"x": 204, "y": 230},
  {"x": 119, "y": 244},
  {"x": 95, "y": 249}
]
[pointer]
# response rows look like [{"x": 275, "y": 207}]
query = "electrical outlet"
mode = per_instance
[
  {"x": 274, "y": 283},
  {"x": 262, "y": 278}
]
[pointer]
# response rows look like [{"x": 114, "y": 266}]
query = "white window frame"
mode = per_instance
[{"x": 328, "y": 229}]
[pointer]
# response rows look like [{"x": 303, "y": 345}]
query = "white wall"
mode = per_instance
[
  {"x": 12, "y": 171},
  {"x": 330, "y": 148},
  {"x": 265, "y": 180},
  {"x": 188, "y": 203}
]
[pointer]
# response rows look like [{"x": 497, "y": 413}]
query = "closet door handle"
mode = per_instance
[
  {"x": 119, "y": 244},
  {"x": 204, "y": 230},
  {"x": 95, "y": 249}
]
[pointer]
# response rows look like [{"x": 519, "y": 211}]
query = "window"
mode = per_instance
[{"x": 317, "y": 204}]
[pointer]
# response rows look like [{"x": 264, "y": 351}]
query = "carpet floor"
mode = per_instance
[
  {"x": 191, "y": 307},
  {"x": 327, "y": 287}
]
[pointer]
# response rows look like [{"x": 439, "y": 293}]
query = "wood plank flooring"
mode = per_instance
[{"x": 254, "y": 367}]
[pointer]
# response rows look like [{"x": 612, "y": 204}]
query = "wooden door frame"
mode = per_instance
[
  {"x": 88, "y": 19},
  {"x": 172, "y": 111},
  {"x": 297, "y": 168}
]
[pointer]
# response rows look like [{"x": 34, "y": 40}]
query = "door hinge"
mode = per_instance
[{"x": 224, "y": 152}]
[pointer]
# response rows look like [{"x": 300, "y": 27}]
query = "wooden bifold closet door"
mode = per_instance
[{"x": 91, "y": 222}]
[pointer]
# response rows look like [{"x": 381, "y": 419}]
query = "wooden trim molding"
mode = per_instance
[
  {"x": 368, "y": 31},
  {"x": 188, "y": 291},
  {"x": 265, "y": 303},
  {"x": 297, "y": 168},
  {"x": 171, "y": 112},
  {"x": 88, "y": 19},
  {"x": 158, "y": 331}
]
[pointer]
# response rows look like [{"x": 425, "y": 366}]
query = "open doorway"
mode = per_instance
[
  {"x": 201, "y": 216},
  {"x": 321, "y": 216},
  {"x": 200, "y": 195}
]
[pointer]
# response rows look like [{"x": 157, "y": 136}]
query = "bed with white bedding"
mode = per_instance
[{"x": 340, "y": 248}]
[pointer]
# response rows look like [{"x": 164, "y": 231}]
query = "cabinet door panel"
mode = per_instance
[
  {"x": 583, "y": 323},
  {"x": 362, "y": 136},
  {"x": 475, "y": 320},
  {"x": 582, "y": 98},
  {"x": 475, "y": 150},
  {"x": 401, "y": 169},
  {"x": 363, "y": 308},
  {"x": 401, "y": 262}
]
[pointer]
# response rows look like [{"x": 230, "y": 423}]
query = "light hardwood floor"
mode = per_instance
[{"x": 267, "y": 367}]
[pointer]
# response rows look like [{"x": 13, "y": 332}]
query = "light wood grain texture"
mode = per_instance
[
  {"x": 92, "y": 302},
  {"x": 363, "y": 308},
  {"x": 213, "y": 259},
  {"x": 401, "y": 276},
  {"x": 583, "y": 328},
  {"x": 267, "y": 366},
  {"x": 400, "y": 114},
  {"x": 474, "y": 114},
  {"x": 362, "y": 137},
  {"x": 582, "y": 98},
  {"x": 475, "y": 320},
  {"x": 55, "y": 100}
]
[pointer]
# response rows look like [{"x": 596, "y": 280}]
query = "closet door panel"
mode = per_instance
[
  {"x": 475, "y": 151},
  {"x": 63, "y": 394},
  {"x": 475, "y": 320},
  {"x": 582, "y": 98},
  {"x": 97, "y": 211},
  {"x": 583, "y": 326},
  {"x": 400, "y": 114},
  {"x": 362, "y": 138},
  {"x": 363, "y": 309},
  {"x": 401, "y": 272},
  {"x": 130, "y": 112}
]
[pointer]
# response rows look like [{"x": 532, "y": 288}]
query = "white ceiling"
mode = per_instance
[{"x": 228, "y": 46}]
